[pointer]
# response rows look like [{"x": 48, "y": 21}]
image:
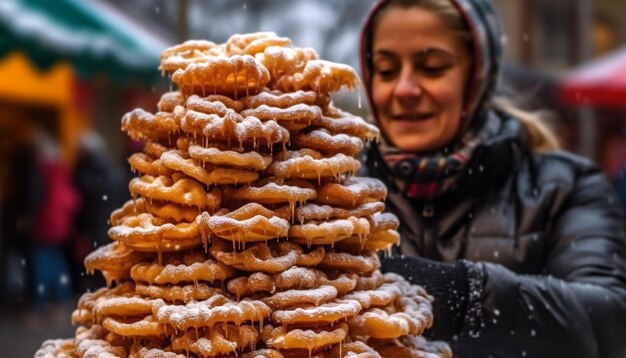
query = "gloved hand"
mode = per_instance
[{"x": 447, "y": 282}]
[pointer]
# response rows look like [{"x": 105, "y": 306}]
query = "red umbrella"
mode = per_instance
[{"x": 600, "y": 82}]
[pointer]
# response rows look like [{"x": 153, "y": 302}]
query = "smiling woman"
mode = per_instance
[
  {"x": 417, "y": 86},
  {"x": 516, "y": 241}
]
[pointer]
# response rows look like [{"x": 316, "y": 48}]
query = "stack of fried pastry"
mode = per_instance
[{"x": 248, "y": 233}]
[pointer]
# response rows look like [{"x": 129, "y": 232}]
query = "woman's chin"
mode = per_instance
[
  {"x": 417, "y": 136},
  {"x": 415, "y": 144}
]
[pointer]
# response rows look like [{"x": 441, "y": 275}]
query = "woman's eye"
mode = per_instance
[
  {"x": 385, "y": 72},
  {"x": 434, "y": 70}
]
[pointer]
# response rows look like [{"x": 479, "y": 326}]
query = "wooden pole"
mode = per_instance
[{"x": 182, "y": 28}]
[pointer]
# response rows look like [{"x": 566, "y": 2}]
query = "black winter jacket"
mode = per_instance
[{"x": 548, "y": 235}]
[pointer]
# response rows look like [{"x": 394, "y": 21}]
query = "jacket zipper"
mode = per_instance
[
  {"x": 428, "y": 232},
  {"x": 428, "y": 211}
]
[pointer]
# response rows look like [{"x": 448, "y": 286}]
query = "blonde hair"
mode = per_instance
[
  {"x": 444, "y": 8},
  {"x": 539, "y": 134}
]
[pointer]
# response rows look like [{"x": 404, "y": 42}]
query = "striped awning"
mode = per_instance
[
  {"x": 92, "y": 36},
  {"x": 598, "y": 83}
]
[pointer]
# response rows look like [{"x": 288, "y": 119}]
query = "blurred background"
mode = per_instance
[{"x": 69, "y": 70}]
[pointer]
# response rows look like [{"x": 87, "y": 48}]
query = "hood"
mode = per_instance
[{"x": 487, "y": 38}]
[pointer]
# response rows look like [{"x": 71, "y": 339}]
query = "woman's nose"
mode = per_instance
[{"x": 407, "y": 87}]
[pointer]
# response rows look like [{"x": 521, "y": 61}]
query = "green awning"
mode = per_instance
[{"x": 92, "y": 36}]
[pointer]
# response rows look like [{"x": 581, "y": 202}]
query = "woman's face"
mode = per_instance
[{"x": 420, "y": 70}]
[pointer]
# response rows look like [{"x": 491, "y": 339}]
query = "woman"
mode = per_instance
[{"x": 522, "y": 246}]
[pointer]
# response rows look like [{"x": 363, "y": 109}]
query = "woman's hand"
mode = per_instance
[{"x": 446, "y": 282}]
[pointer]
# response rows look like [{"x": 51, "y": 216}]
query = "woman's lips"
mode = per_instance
[
  {"x": 413, "y": 117},
  {"x": 412, "y": 122}
]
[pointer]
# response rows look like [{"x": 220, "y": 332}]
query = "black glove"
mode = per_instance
[{"x": 447, "y": 282}]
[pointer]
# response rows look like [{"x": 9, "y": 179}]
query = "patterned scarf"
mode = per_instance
[{"x": 427, "y": 176}]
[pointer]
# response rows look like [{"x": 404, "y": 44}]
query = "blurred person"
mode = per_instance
[
  {"x": 521, "y": 244},
  {"x": 102, "y": 186},
  {"x": 51, "y": 225},
  {"x": 22, "y": 192}
]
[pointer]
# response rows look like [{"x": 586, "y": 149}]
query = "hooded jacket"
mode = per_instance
[{"x": 545, "y": 232}]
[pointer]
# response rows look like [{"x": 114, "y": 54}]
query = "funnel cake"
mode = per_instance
[
  {"x": 249, "y": 233},
  {"x": 249, "y": 223},
  {"x": 238, "y": 74}
]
